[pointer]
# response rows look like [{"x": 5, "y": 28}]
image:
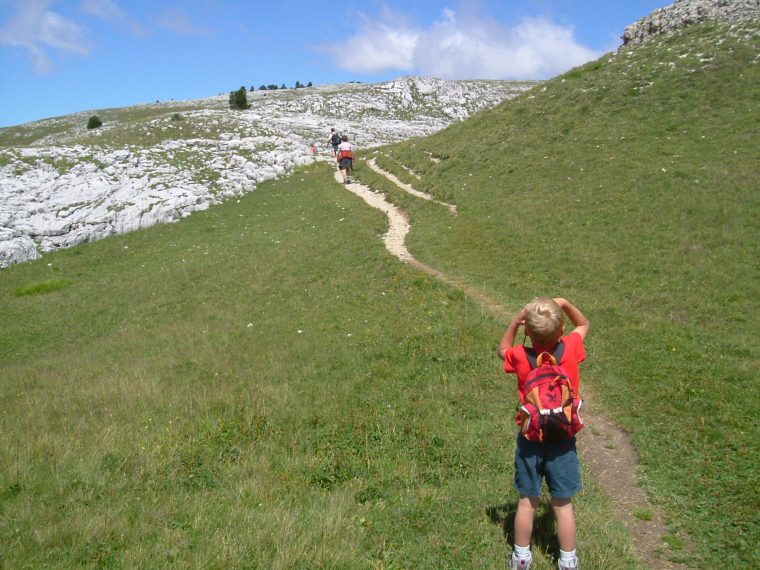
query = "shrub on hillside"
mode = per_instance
[
  {"x": 94, "y": 122},
  {"x": 238, "y": 99}
]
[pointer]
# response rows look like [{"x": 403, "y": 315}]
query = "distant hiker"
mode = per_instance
[
  {"x": 334, "y": 140},
  {"x": 557, "y": 461},
  {"x": 346, "y": 158}
]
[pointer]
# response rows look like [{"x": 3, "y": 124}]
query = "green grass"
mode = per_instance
[
  {"x": 630, "y": 186},
  {"x": 42, "y": 287},
  {"x": 262, "y": 386},
  {"x": 643, "y": 513},
  {"x": 257, "y": 386}
]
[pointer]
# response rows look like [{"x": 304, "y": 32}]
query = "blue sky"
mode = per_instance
[{"x": 60, "y": 57}]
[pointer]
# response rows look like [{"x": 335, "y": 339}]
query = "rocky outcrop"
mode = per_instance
[
  {"x": 61, "y": 185},
  {"x": 684, "y": 13}
]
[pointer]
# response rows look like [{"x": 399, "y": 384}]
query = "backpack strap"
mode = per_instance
[{"x": 532, "y": 355}]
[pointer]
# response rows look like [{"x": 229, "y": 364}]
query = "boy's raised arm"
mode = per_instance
[
  {"x": 575, "y": 315},
  {"x": 511, "y": 333}
]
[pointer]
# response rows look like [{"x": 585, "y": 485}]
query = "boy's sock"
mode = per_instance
[
  {"x": 568, "y": 559},
  {"x": 523, "y": 552},
  {"x": 521, "y": 558}
]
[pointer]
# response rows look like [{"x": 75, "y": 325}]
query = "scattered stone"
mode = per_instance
[
  {"x": 57, "y": 192},
  {"x": 684, "y": 13}
]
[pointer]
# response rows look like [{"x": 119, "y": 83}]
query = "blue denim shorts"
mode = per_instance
[{"x": 557, "y": 462}]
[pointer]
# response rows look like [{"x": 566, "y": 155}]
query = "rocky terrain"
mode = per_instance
[
  {"x": 683, "y": 13},
  {"x": 62, "y": 184}
]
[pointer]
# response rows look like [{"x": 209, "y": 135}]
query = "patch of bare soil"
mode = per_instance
[
  {"x": 608, "y": 452},
  {"x": 605, "y": 448}
]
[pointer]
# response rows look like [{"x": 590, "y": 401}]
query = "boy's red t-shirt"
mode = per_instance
[{"x": 516, "y": 361}]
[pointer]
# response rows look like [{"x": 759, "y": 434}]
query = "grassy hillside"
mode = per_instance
[
  {"x": 262, "y": 386},
  {"x": 258, "y": 386},
  {"x": 630, "y": 186}
]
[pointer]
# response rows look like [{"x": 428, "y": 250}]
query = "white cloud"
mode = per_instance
[
  {"x": 180, "y": 22},
  {"x": 111, "y": 12},
  {"x": 474, "y": 47},
  {"x": 37, "y": 29},
  {"x": 105, "y": 9},
  {"x": 388, "y": 44},
  {"x": 58, "y": 32}
]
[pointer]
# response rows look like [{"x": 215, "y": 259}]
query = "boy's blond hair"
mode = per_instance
[{"x": 544, "y": 321}]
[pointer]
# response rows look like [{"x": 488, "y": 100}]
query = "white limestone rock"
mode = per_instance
[
  {"x": 57, "y": 192},
  {"x": 684, "y": 13},
  {"x": 15, "y": 247}
]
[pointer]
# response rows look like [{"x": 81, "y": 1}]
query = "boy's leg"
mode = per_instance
[
  {"x": 563, "y": 474},
  {"x": 521, "y": 558},
  {"x": 563, "y": 510},
  {"x": 526, "y": 510},
  {"x": 528, "y": 481}
]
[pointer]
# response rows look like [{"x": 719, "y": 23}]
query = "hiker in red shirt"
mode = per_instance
[
  {"x": 345, "y": 158},
  {"x": 557, "y": 461}
]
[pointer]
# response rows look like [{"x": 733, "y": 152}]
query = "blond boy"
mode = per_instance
[{"x": 557, "y": 463}]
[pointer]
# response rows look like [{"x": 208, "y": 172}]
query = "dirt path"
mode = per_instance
[
  {"x": 407, "y": 188},
  {"x": 605, "y": 448}
]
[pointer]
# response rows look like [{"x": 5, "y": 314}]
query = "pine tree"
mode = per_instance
[
  {"x": 94, "y": 122},
  {"x": 238, "y": 99}
]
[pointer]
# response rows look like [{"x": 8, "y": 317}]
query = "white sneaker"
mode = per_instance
[
  {"x": 575, "y": 566},
  {"x": 515, "y": 564}
]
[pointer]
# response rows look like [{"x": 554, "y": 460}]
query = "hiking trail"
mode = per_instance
[{"x": 605, "y": 448}]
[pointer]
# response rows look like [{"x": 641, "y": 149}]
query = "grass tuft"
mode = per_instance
[
  {"x": 42, "y": 287},
  {"x": 643, "y": 513}
]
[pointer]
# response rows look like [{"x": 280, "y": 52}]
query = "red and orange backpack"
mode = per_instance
[{"x": 549, "y": 409}]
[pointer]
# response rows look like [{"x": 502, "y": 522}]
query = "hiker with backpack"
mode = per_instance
[
  {"x": 346, "y": 158},
  {"x": 334, "y": 140},
  {"x": 549, "y": 416}
]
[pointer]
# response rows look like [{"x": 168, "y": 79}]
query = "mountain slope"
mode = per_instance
[
  {"x": 261, "y": 385},
  {"x": 630, "y": 186},
  {"x": 61, "y": 184}
]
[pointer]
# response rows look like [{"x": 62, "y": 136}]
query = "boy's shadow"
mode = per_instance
[{"x": 544, "y": 537}]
